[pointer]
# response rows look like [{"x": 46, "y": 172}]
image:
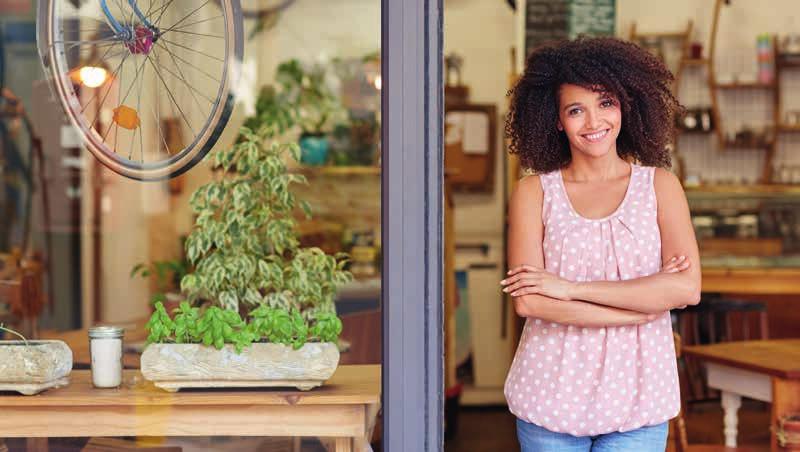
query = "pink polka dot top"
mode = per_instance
[{"x": 591, "y": 381}]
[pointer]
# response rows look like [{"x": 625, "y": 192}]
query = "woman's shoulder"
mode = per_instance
[
  {"x": 667, "y": 186},
  {"x": 529, "y": 189}
]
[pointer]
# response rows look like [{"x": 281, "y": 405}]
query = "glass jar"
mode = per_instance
[{"x": 105, "y": 343}]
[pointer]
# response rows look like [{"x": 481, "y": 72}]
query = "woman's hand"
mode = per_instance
[
  {"x": 676, "y": 265},
  {"x": 527, "y": 279}
]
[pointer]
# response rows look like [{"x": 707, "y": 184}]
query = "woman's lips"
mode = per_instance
[{"x": 596, "y": 136}]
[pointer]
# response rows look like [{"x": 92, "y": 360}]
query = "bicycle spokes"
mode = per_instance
[{"x": 123, "y": 68}]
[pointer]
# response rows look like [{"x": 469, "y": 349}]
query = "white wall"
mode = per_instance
[{"x": 482, "y": 32}]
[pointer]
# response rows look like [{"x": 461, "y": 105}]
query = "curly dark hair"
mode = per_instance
[{"x": 639, "y": 80}]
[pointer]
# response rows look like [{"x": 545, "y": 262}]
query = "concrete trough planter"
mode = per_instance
[
  {"x": 175, "y": 366},
  {"x": 32, "y": 368}
]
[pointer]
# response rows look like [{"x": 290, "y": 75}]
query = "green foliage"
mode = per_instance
[
  {"x": 314, "y": 103},
  {"x": 160, "y": 326},
  {"x": 246, "y": 255},
  {"x": 216, "y": 327},
  {"x": 301, "y": 97},
  {"x": 14, "y": 332},
  {"x": 186, "y": 324}
]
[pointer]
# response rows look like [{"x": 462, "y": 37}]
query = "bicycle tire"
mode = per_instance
[{"x": 53, "y": 58}]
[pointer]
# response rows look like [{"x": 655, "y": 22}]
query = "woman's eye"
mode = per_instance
[
  {"x": 574, "y": 111},
  {"x": 607, "y": 103}
]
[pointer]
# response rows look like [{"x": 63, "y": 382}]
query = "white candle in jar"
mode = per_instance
[{"x": 106, "y": 348}]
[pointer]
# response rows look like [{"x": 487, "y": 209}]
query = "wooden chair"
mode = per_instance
[
  {"x": 677, "y": 427},
  {"x": 21, "y": 290},
  {"x": 717, "y": 319}
]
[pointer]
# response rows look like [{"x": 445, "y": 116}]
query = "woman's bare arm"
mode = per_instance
[
  {"x": 525, "y": 234},
  {"x": 650, "y": 294}
]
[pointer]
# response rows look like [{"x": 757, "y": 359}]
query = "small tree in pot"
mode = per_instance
[
  {"x": 252, "y": 282},
  {"x": 315, "y": 106}
]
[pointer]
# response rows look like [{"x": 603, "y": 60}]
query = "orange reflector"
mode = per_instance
[{"x": 126, "y": 117}]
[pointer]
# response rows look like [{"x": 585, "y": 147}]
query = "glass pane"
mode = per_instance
[{"x": 212, "y": 166}]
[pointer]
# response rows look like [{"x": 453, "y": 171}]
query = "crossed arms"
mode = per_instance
[{"x": 540, "y": 294}]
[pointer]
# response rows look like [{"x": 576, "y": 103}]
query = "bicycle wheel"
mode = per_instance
[{"x": 123, "y": 68}]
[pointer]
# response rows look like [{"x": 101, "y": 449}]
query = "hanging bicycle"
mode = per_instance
[{"x": 142, "y": 61}]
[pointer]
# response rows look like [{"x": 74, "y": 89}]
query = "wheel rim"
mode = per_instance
[{"x": 182, "y": 67}]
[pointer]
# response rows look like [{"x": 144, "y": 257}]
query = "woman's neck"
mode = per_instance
[{"x": 587, "y": 169}]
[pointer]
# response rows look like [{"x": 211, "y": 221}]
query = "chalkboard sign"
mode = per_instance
[
  {"x": 547, "y": 20},
  {"x": 592, "y": 17}
]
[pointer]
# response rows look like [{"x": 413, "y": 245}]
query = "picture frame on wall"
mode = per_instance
[{"x": 470, "y": 146}]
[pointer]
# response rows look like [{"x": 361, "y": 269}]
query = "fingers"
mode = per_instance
[
  {"x": 520, "y": 274},
  {"x": 521, "y": 282},
  {"x": 523, "y": 268},
  {"x": 676, "y": 265},
  {"x": 525, "y": 291}
]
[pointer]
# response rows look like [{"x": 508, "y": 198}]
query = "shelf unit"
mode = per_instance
[
  {"x": 683, "y": 37},
  {"x": 781, "y": 63}
]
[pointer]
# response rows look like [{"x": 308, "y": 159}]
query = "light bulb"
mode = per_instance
[
  {"x": 378, "y": 82},
  {"x": 93, "y": 76}
]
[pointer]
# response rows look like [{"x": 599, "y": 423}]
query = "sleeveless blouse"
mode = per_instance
[{"x": 591, "y": 381}]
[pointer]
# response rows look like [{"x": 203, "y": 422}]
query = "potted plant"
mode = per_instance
[
  {"x": 30, "y": 367},
  {"x": 260, "y": 309},
  {"x": 314, "y": 104}
]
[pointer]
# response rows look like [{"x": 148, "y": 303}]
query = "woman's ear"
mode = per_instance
[{"x": 559, "y": 126}]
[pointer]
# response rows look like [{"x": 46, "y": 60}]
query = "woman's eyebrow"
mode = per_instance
[{"x": 574, "y": 104}]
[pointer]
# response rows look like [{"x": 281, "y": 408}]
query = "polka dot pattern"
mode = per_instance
[{"x": 591, "y": 381}]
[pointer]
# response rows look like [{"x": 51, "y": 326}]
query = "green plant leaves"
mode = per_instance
[
  {"x": 160, "y": 326},
  {"x": 244, "y": 244}
]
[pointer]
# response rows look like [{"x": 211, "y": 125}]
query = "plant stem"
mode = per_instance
[{"x": 3, "y": 328}]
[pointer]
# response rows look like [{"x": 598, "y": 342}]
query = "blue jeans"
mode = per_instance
[{"x": 533, "y": 438}]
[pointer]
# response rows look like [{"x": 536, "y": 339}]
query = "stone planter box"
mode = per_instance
[
  {"x": 175, "y": 366},
  {"x": 32, "y": 368}
]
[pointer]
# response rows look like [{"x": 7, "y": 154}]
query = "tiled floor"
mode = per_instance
[{"x": 492, "y": 429}]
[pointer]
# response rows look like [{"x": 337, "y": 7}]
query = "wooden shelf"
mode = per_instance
[
  {"x": 339, "y": 170},
  {"x": 789, "y": 128},
  {"x": 788, "y": 60},
  {"x": 662, "y": 34},
  {"x": 756, "y": 189},
  {"x": 694, "y": 61},
  {"x": 745, "y": 85},
  {"x": 736, "y": 145}
]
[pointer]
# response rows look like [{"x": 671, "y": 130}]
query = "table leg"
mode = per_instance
[
  {"x": 344, "y": 445},
  {"x": 730, "y": 406},
  {"x": 36, "y": 445},
  {"x": 785, "y": 400}
]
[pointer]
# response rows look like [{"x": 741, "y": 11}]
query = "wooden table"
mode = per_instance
[
  {"x": 763, "y": 370},
  {"x": 345, "y": 408}
]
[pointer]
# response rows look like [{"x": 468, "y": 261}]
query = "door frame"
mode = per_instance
[{"x": 412, "y": 225}]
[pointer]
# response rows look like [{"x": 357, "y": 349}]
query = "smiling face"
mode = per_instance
[{"x": 591, "y": 120}]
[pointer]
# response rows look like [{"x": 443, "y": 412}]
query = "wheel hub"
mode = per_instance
[{"x": 142, "y": 40}]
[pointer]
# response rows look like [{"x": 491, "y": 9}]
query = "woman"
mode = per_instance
[{"x": 601, "y": 247}]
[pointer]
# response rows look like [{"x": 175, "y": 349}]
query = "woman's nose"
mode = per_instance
[{"x": 592, "y": 119}]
